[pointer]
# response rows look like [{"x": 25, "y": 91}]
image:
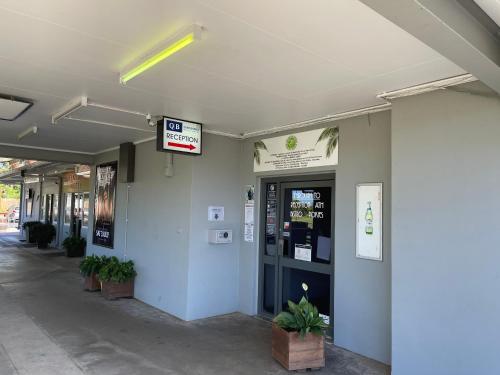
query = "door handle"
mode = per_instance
[{"x": 281, "y": 244}]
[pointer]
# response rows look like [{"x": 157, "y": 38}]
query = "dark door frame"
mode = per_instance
[{"x": 274, "y": 259}]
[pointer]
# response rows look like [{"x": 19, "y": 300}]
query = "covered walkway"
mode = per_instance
[{"x": 50, "y": 326}]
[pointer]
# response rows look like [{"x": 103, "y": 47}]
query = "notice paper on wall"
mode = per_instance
[
  {"x": 303, "y": 252},
  {"x": 215, "y": 213},
  {"x": 249, "y": 222}
]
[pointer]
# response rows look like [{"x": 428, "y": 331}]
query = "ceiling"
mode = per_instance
[{"x": 260, "y": 64}]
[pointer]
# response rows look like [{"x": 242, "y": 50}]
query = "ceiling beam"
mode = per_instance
[
  {"x": 452, "y": 30},
  {"x": 43, "y": 154}
]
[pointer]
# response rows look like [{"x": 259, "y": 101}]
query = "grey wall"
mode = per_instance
[
  {"x": 166, "y": 236},
  {"x": 362, "y": 287},
  {"x": 179, "y": 272},
  {"x": 446, "y": 274},
  {"x": 213, "y": 269}
]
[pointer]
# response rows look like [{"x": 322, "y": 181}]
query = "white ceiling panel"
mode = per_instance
[{"x": 260, "y": 64}]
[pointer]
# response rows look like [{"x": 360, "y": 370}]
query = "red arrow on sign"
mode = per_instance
[{"x": 189, "y": 146}]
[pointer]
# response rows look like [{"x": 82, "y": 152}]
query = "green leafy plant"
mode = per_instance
[
  {"x": 43, "y": 234},
  {"x": 302, "y": 317},
  {"x": 92, "y": 264},
  {"x": 74, "y": 246},
  {"x": 332, "y": 137},
  {"x": 116, "y": 271}
]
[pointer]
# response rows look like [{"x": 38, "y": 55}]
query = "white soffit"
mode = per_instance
[
  {"x": 253, "y": 73},
  {"x": 12, "y": 107},
  {"x": 491, "y": 8}
]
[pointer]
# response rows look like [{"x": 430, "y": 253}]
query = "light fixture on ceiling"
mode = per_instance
[
  {"x": 427, "y": 87},
  {"x": 69, "y": 108},
  {"x": 160, "y": 53},
  {"x": 11, "y": 107},
  {"x": 31, "y": 130}
]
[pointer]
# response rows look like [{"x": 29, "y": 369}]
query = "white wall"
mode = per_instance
[
  {"x": 36, "y": 202},
  {"x": 446, "y": 204}
]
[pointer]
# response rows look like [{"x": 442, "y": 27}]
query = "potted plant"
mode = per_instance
[
  {"x": 28, "y": 228},
  {"x": 44, "y": 234},
  {"x": 74, "y": 246},
  {"x": 117, "y": 279},
  {"x": 89, "y": 268},
  {"x": 298, "y": 336}
]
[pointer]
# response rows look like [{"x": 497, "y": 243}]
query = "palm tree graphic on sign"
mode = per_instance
[
  {"x": 259, "y": 145},
  {"x": 332, "y": 137}
]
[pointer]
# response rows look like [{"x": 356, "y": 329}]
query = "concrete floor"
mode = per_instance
[{"x": 48, "y": 325}]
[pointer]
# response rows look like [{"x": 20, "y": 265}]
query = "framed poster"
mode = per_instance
[
  {"x": 104, "y": 208},
  {"x": 369, "y": 221}
]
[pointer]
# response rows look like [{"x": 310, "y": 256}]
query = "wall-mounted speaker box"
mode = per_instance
[{"x": 126, "y": 164}]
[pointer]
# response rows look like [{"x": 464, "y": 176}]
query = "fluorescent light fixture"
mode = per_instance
[
  {"x": 427, "y": 87},
  {"x": 69, "y": 108},
  {"x": 27, "y": 132},
  {"x": 161, "y": 53},
  {"x": 11, "y": 107}
]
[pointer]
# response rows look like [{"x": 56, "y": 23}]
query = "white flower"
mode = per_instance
[{"x": 305, "y": 287}]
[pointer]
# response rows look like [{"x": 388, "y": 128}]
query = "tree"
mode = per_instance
[{"x": 10, "y": 191}]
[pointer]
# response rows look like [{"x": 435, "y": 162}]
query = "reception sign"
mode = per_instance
[
  {"x": 104, "y": 215},
  {"x": 369, "y": 221},
  {"x": 174, "y": 135},
  {"x": 314, "y": 148}
]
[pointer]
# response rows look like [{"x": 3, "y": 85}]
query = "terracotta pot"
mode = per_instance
[
  {"x": 91, "y": 283},
  {"x": 112, "y": 290},
  {"x": 296, "y": 353}
]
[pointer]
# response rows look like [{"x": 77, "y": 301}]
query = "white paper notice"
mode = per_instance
[
  {"x": 303, "y": 252},
  {"x": 215, "y": 213},
  {"x": 249, "y": 211}
]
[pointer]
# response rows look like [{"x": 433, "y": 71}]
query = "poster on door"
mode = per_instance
[
  {"x": 104, "y": 208},
  {"x": 369, "y": 221},
  {"x": 314, "y": 148}
]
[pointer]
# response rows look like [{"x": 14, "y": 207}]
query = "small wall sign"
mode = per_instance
[
  {"x": 369, "y": 221},
  {"x": 215, "y": 213}
]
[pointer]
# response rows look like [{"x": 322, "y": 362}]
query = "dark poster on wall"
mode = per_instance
[{"x": 104, "y": 208}]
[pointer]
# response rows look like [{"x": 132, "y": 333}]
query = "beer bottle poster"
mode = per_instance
[{"x": 104, "y": 208}]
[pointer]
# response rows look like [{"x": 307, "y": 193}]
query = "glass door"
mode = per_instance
[{"x": 297, "y": 244}]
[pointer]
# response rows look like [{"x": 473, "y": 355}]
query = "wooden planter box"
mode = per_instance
[
  {"x": 111, "y": 290},
  {"x": 91, "y": 283},
  {"x": 295, "y": 353}
]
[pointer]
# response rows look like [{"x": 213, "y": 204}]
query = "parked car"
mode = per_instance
[{"x": 13, "y": 215}]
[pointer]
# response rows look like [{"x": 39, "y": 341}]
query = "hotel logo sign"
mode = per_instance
[{"x": 314, "y": 148}]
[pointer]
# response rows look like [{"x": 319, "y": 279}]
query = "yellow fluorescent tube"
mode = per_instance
[{"x": 160, "y": 56}]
